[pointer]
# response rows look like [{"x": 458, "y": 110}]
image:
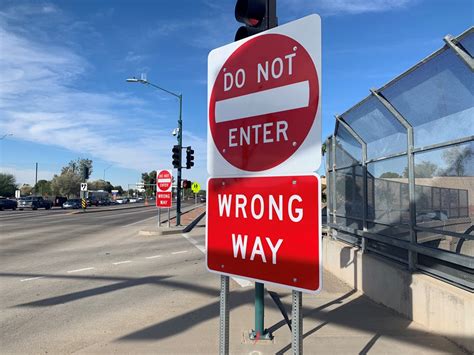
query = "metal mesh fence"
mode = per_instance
[{"x": 400, "y": 167}]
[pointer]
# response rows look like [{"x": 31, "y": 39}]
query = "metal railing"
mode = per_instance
[{"x": 400, "y": 167}]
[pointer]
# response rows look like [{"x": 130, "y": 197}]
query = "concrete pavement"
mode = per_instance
[{"x": 118, "y": 292}]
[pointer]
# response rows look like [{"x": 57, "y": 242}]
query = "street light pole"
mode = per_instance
[
  {"x": 180, "y": 145},
  {"x": 106, "y": 170},
  {"x": 179, "y": 138}
]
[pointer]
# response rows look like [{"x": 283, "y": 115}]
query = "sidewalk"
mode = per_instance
[{"x": 339, "y": 320}]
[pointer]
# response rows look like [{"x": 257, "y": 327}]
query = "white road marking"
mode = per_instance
[
  {"x": 141, "y": 221},
  {"x": 152, "y": 257},
  {"x": 179, "y": 252},
  {"x": 79, "y": 270},
  {"x": 241, "y": 282},
  {"x": 194, "y": 242},
  {"x": 33, "y": 278},
  {"x": 122, "y": 262}
]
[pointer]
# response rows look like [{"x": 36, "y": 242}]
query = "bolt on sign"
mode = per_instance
[
  {"x": 164, "y": 180},
  {"x": 264, "y": 106},
  {"x": 266, "y": 228}
]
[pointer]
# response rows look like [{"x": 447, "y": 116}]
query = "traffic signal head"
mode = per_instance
[
  {"x": 176, "y": 156},
  {"x": 186, "y": 184},
  {"x": 257, "y": 15},
  {"x": 85, "y": 173},
  {"x": 189, "y": 158}
]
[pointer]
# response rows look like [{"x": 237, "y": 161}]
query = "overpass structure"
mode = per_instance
[{"x": 400, "y": 192}]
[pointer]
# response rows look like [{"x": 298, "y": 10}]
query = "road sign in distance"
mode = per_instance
[
  {"x": 163, "y": 200},
  {"x": 266, "y": 229},
  {"x": 264, "y": 102},
  {"x": 195, "y": 187},
  {"x": 83, "y": 186},
  {"x": 164, "y": 180}
]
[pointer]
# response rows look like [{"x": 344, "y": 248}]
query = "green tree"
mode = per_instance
[
  {"x": 457, "y": 158},
  {"x": 390, "y": 175},
  {"x": 100, "y": 185},
  {"x": 67, "y": 184},
  {"x": 7, "y": 185},
  {"x": 119, "y": 188},
  {"x": 425, "y": 169},
  {"x": 78, "y": 166},
  {"x": 149, "y": 179},
  {"x": 43, "y": 187},
  {"x": 26, "y": 190}
]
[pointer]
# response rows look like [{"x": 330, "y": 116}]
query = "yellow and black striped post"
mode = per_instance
[{"x": 84, "y": 203}]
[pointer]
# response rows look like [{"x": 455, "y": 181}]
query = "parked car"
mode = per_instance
[
  {"x": 7, "y": 204},
  {"x": 92, "y": 202},
  {"x": 104, "y": 202},
  {"x": 34, "y": 202},
  {"x": 59, "y": 200},
  {"x": 73, "y": 203},
  {"x": 202, "y": 199}
]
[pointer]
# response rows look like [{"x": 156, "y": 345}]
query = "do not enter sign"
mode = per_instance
[
  {"x": 264, "y": 102},
  {"x": 164, "y": 180}
]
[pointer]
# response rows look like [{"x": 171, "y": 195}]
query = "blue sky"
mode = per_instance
[{"x": 63, "y": 66}]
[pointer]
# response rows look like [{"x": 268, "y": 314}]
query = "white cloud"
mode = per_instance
[
  {"x": 39, "y": 103},
  {"x": 336, "y": 7},
  {"x": 27, "y": 176}
]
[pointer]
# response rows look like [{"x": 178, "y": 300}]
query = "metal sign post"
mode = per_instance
[
  {"x": 159, "y": 217},
  {"x": 224, "y": 317},
  {"x": 297, "y": 323}
]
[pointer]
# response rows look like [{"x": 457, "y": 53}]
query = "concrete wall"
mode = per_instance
[{"x": 442, "y": 308}]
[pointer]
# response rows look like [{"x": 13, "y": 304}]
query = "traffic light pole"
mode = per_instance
[
  {"x": 264, "y": 11},
  {"x": 179, "y": 136},
  {"x": 180, "y": 144}
]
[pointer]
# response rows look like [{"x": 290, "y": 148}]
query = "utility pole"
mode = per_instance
[
  {"x": 180, "y": 144},
  {"x": 36, "y": 177}
]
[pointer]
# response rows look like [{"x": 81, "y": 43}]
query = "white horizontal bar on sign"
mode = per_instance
[
  {"x": 283, "y": 98},
  {"x": 164, "y": 180}
]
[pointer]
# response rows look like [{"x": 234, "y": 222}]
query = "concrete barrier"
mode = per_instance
[{"x": 443, "y": 308}]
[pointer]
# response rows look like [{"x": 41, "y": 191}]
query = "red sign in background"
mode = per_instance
[
  {"x": 290, "y": 62},
  {"x": 281, "y": 242},
  {"x": 163, "y": 199},
  {"x": 164, "y": 180}
]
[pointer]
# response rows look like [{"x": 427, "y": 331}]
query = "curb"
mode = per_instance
[
  {"x": 193, "y": 224},
  {"x": 173, "y": 230}
]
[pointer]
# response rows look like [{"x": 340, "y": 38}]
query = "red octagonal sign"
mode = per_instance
[
  {"x": 264, "y": 102},
  {"x": 164, "y": 180}
]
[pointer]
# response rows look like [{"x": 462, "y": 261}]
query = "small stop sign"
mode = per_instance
[{"x": 263, "y": 102}]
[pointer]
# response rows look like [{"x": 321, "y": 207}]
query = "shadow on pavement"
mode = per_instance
[{"x": 360, "y": 313}]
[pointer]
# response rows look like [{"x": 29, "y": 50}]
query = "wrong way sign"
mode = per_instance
[
  {"x": 266, "y": 229},
  {"x": 264, "y": 102},
  {"x": 164, "y": 180}
]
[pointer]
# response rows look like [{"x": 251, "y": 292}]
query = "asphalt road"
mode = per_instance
[
  {"x": 62, "y": 273},
  {"x": 91, "y": 283}
]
